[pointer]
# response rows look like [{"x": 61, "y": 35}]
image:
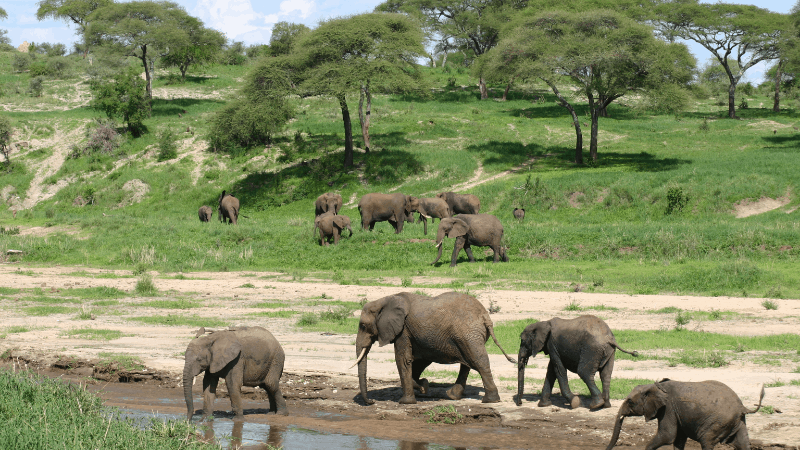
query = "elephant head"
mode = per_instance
[
  {"x": 644, "y": 400},
  {"x": 211, "y": 353},
  {"x": 412, "y": 204},
  {"x": 532, "y": 341},
  {"x": 452, "y": 227},
  {"x": 381, "y": 320}
]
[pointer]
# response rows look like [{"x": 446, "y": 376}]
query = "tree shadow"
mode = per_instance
[
  {"x": 436, "y": 392},
  {"x": 783, "y": 142},
  {"x": 164, "y": 107},
  {"x": 640, "y": 162}
]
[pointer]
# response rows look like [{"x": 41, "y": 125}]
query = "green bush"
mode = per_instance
[
  {"x": 123, "y": 97},
  {"x": 167, "y": 147},
  {"x": 22, "y": 61},
  {"x": 36, "y": 86}
]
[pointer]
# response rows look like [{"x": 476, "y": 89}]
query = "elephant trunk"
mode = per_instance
[
  {"x": 523, "y": 361},
  {"x": 617, "y": 428},
  {"x": 188, "y": 380},
  {"x": 439, "y": 244},
  {"x": 362, "y": 371}
]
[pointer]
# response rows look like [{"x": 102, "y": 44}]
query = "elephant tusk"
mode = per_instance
[
  {"x": 438, "y": 245},
  {"x": 363, "y": 350}
]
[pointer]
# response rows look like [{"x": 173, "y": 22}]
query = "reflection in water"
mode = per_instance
[{"x": 249, "y": 438}]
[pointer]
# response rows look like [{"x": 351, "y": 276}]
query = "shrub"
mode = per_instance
[
  {"x": 21, "y": 62},
  {"x": 35, "y": 86},
  {"x": 6, "y": 131},
  {"x": 244, "y": 123},
  {"x": 123, "y": 97},
  {"x": 167, "y": 146},
  {"x": 676, "y": 200},
  {"x": 102, "y": 138}
]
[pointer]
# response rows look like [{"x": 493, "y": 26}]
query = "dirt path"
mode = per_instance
[
  {"x": 319, "y": 384},
  {"x": 39, "y": 190}
]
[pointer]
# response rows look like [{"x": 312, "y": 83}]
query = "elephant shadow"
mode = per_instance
[
  {"x": 558, "y": 400},
  {"x": 224, "y": 414},
  {"x": 435, "y": 393}
]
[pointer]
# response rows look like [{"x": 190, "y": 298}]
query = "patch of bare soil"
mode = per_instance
[
  {"x": 321, "y": 389},
  {"x": 747, "y": 208},
  {"x": 135, "y": 190},
  {"x": 39, "y": 190}
]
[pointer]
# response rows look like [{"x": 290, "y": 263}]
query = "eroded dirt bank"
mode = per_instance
[{"x": 322, "y": 393}]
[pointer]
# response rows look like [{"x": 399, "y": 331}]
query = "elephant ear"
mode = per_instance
[
  {"x": 459, "y": 228},
  {"x": 655, "y": 400},
  {"x": 341, "y": 222},
  {"x": 391, "y": 319},
  {"x": 224, "y": 350},
  {"x": 542, "y": 335}
]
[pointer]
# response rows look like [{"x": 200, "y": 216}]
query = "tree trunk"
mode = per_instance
[
  {"x": 365, "y": 116},
  {"x": 149, "y": 86},
  {"x": 575, "y": 121},
  {"x": 444, "y": 60},
  {"x": 732, "y": 101},
  {"x": 593, "y": 138},
  {"x": 603, "y": 109},
  {"x": 482, "y": 87},
  {"x": 508, "y": 87},
  {"x": 776, "y": 105},
  {"x": 348, "y": 133}
]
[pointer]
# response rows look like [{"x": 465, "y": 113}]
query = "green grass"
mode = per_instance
[
  {"x": 51, "y": 300},
  {"x": 171, "y": 304},
  {"x": 121, "y": 360},
  {"x": 192, "y": 321},
  {"x": 93, "y": 334},
  {"x": 271, "y": 305},
  {"x": 275, "y": 314},
  {"x": 95, "y": 293},
  {"x": 47, "y": 310},
  {"x": 620, "y": 387},
  {"x": 18, "y": 329},
  {"x": 42, "y": 413}
]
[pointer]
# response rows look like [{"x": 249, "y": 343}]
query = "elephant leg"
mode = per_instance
[
  {"x": 209, "y": 393},
  {"x": 667, "y": 434},
  {"x": 277, "y": 404},
  {"x": 496, "y": 250},
  {"x": 742, "y": 440},
  {"x": 491, "y": 395},
  {"x": 457, "y": 390},
  {"x": 680, "y": 441},
  {"x": 563, "y": 383},
  {"x": 234, "y": 384},
  {"x": 404, "y": 359},
  {"x": 425, "y": 224},
  {"x": 335, "y": 236},
  {"x": 549, "y": 381},
  {"x": 456, "y": 249},
  {"x": 468, "y": 250},
  {"x": 605, "y": 378},
  {"x": 417, "y": 367},
  {"x": 586, "y": 371},
  {"x": 322, "y": 237}
]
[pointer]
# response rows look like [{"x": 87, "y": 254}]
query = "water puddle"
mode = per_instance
[{"x": 241, "y": 435}]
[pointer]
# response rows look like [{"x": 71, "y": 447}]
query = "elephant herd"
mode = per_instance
[
  {"x": 453, "y": 328},
  {"x": 227, "y": 209}
]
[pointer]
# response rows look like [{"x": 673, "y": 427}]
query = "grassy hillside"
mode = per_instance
[{"x": 602, "y": 227}]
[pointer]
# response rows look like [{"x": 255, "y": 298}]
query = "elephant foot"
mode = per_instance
[
  {"x": 408, "y": 400},
  {"x": 544, "y": 402},
  {"x": 455, "y": 392},
  {"x": 423, "y": 386},
  {"x": 575, "y": 402},
  {"x": 517, "y": 400},
  {"x": 282, "y": 412},
  {"x": 491, "y": 397}
]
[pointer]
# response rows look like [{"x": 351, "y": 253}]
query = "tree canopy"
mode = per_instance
[
  {"x": 75, "y": 11},
  {"x": 746, "y": 34},
  {"x": 602, "y": 53},
  {"x": 204, "y": 44},
  {"x": 284, "y": 36}
]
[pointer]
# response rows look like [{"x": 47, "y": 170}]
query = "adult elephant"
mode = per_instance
[
  {"x": 431, "y": 208},
  {"x": 708, "y": 412},
  {"x": 228, "y": 208},
  {"x": 461, "y": 203},
  {"x": 331, "y": 227},
  {"x": 205, "y": 213},
  {"x": 483, "y": 230},
  {"x": 446, "y": 329},
  {"x": 584, "y": 345},
  {"x": 244, "y": 356},
  {"x": 394, "y": 208},
  {"x": 328, "y": 202}
]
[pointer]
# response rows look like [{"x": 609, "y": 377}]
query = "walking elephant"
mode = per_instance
[
  {"x": 331, "y": 227},
  {"x": 327, "y": 202},
  {"x": 446, "y": 329},
  {"x": 519, "y": 214},
  {"x": 205, "y": 213},
  {"x": 228, "y": 209},
  {"x": 394, "y": 208},
  {"x": 708, "y": 412},
  {"x": 431, "y": 208},
  {"x": 461, "y": 203},
  {"x": 584, "y": 345},
  {"x": 483, "y": 230},
  {"x": 244, "y": 356}
]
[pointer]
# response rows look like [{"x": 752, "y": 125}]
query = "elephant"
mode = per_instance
[
  {"x": 461, "y": 203},
  {"x": 483, "y": 230},
  {"x": 244, "y": 356},
  {"x": 583, "y": 345},
  {"x": 331, "y": 227},
  {"x": 519, "y": 214},
  {"x": 205, "y": 213},
  {"x": 394, "y": 208},
  {"x": 326, "y": 202},
  {"x": 708, "y": 412},
  {"x": 228, "y": 208},
  {"x": 433, "y": 208},
  {"x": 446, "y": 329}
]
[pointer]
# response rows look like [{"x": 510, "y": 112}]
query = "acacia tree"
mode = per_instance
[
  {"x": 342, "y": 56},
  {"x": 204, "y": 44},
  {"x": 75, "y": 11},
  {"x": 284, "y": 36},
  {"x": 602, "y": 53},
  {"x": 145, "y": 30},
  {"x": 744, "y": 33}
]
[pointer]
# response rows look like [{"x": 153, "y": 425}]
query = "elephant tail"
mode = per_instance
[
  {"x": 616, "y": 346},
  {"x": 490, "y": 327},
  {"x": 748, "y": 411}
]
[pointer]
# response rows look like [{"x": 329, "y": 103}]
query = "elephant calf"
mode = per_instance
[
  {"x": 331, "y": 227},
  {"x": 519, "y": 214},
  {"x": 708, "y": 412},
  {"x": 244, "y": 356},
  {"x": 205, "y": 213}
]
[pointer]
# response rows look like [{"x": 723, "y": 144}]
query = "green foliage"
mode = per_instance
[
  {"x": 444, "y": 414},
  {"x": 22, "y": 61},
  {"x": 145, "y": 286},
  {"x": 167, "y": 147},
  {"x": 6, "y": 131},
  {"x": 102, "y": 138},
  {"x": 36, "y": 86},
  {"x": 769, "y": 305},
  {"x": 203, "y": 48},
  {"x": 243, "y": 123},
  {"x": 284, "y": 36},
  {"x": 700, "y": 359},
  {"x": 676, "y": 200},
  {"x": 124, "y": 98},
  {"x": 93, "y": 334}
]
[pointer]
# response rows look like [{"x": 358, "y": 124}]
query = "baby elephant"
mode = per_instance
[
  {"x": 244, "y": 356},
  {"x": 708, "y": 412},
  {"x": 584, "y": 345},
  {"x": 519, "y": 214},
  {"x": 205, "y": 213},
  {"x": 331, "y": 227}
]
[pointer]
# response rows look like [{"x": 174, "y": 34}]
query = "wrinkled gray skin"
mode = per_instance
[
  {"x": 583, "y": 345},
  {"x": 331, "y": 227},
  {"x": 394, "y": 208},
  {"x": 246, "y": 356},
  {"x": 461, "y": 203},
  {"x": 446, "y": 329},
  {"x": 228, "y": 209},
  {"x": 708, "y": 412},
  {"x": 482, "y": 230},
  {"x": 519, "y": 214},
  {"x": 328, "y": 202},
  {"x": 431, "y": 208},
  {"x": 205, "y": 213}
]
